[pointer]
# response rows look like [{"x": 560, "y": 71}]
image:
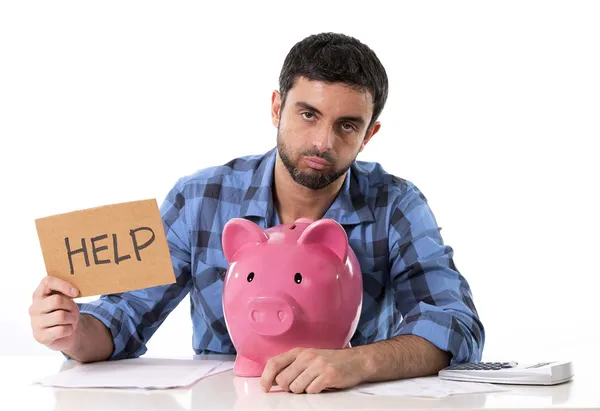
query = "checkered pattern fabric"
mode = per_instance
[{"x": 411, "y": 285}]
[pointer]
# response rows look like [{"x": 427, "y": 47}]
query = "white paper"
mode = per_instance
[
  {"x": 432, "y": 387},
  {"x": 146, "y": 373},
  {"x": 222, "y": 367}
]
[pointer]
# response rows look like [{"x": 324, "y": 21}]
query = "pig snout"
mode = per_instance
[{"x": 270, "y": 315}]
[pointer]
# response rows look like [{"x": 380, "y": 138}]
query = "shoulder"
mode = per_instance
[
  {"x": 398, "y": 202},
  {"x": 235, "y": 174},
  {"x": 375, "y": 181}
]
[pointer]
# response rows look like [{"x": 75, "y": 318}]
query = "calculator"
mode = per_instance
[{"x": 510, "y": 372}]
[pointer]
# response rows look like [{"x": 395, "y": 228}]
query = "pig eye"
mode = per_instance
[
  {"x": 250, "y": 277},
  {"x": 298, "y": 278}
]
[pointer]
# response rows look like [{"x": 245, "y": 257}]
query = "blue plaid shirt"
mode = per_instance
[{"x": 411, "y": 285}]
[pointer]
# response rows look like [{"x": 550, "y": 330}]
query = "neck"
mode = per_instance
[{"x": 294, "y": 201}]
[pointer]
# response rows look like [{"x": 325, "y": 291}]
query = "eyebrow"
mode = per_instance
[{"x": 357, "y": 119}]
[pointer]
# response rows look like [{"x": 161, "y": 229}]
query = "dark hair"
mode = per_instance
[{"x": 334, "y": 57}]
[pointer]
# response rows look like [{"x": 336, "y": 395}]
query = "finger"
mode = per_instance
[
  {"x": 50, "y": 335},
  {"x": 52, "y": 303},
  {"x": 317, "y": 385},
  {"x": 56, "y": 302},
  {"x": 303, "y": 380},
  {"x": 50, "y": 284},
  {"x": 274, "y": 367},
  {"x": 57, "y": 318},
  {"x": 291, "y": 373}
]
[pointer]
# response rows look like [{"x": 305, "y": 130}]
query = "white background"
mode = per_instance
[{"x": 494, "y": 112}]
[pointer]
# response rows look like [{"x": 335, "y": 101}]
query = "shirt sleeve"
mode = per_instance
[
  {"x": 434, "y": 298},
  {"x": 133, "y": 317}
]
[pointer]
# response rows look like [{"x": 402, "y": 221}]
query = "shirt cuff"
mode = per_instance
[{"x": 443, "y": 331}]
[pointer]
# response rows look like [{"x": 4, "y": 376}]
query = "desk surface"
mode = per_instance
[{"x": 227, "y": 392}]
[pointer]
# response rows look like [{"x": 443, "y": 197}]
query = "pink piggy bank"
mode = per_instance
[{"x": 293, "y": 285}]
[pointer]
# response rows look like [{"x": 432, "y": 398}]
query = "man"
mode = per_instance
[{"x": 418, "y": 313}]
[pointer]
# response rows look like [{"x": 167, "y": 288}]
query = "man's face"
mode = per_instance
[{"x": 321, "y": 130}]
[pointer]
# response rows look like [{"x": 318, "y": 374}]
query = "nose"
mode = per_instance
[
  {"x": 323, "y": 139},
  {"x": 270, "y": 315}
]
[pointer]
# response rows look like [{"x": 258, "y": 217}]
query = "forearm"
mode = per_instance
[
  {"x": 404, "y": 356},
  {"x": 93, "y": 341}
]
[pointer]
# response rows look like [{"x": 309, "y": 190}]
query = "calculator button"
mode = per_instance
[{"x": 484, "y": 366}]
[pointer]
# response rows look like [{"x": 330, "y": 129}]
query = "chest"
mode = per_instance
[{"x": 209, "y": 265}]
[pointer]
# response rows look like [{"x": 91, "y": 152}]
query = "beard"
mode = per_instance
[{"x": 313, "y": 179}]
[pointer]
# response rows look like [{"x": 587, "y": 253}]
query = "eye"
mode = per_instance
[
  {"x": 298, "y": 278},
  {"x": 250, "y": 277},
  {"x": 307, "y": 115},
  {"x": 348, "y": 127}
]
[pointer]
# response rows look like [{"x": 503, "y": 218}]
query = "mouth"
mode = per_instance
[{"x": 316, "y": 163}]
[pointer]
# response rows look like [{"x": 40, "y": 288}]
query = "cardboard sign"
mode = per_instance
[{"x": 108, "y": 249}]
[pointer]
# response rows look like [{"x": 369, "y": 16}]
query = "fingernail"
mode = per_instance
[{"x": 74, "y": 292}]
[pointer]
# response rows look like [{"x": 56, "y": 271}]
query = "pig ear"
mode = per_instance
[
  {"x": 328, "y": 233},
  {"x": 239, "y": 232}
]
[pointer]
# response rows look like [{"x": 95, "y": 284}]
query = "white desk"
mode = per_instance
[{"x": 227, "y": 392}]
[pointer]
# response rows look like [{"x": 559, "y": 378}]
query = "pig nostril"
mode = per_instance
[
  {"x": 256, "y": 316},
  {"x": 281, "y": 315},
  {"x": 292, "y": 227}
]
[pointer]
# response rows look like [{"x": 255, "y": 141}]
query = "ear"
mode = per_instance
[
  {"x": 239, "y": 232},
  {"x": 275, "y": 108},
  {"x": 329, "y": 233},
  {"x": 370, "y": 133}
]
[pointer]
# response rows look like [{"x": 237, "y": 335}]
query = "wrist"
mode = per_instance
[
  {"x": 73, "y": 350},
  {"x": 77, "y": 341},
  {"x": 366, "y": 363}
]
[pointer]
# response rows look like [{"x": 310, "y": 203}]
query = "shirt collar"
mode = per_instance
[{"x": 349, "y": 207}]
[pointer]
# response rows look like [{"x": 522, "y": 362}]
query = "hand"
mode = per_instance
[
  {"x": 312, "y": 370},
  {"x": 54, "y": 314}
]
